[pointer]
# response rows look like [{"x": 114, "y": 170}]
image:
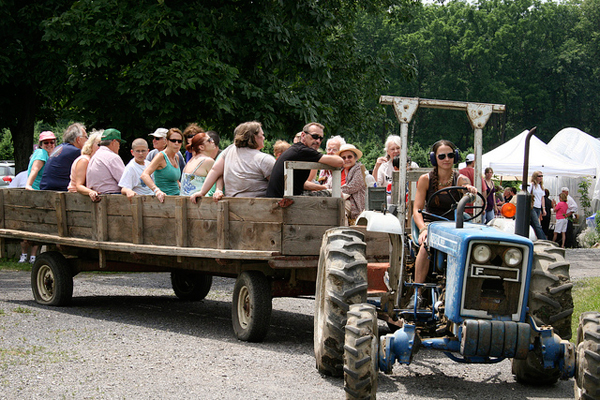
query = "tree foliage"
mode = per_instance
[{"x": 158, "y": 63}]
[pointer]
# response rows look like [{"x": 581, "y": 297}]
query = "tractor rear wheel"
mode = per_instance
[
  {"x": 550, "y": 303},
  {"x": 360, "y": 352},
  {"x": 341, "y": 281},
  {"x": 587, "y": 372}
]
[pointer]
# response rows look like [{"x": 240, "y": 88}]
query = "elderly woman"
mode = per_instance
[
  {"x": 332, "y": 147},
  {"x": 353, "y": 181},
  {"x": 80, "y": 165},
  {"x": 383, "y": 166},
  {"x": 165, "y": 167},
  {"x": 203, "y": 150},
  {"x": 38, "y": 160},
  {"x": 242, "y": 167}
]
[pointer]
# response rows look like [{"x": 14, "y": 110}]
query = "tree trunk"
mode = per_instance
[{"x": 22, "y": 131}]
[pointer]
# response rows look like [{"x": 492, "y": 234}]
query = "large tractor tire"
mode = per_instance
[
  {"x": 341, "y": 282},
  {"x": 550, "y": 303},
  {"x": 52, "y": 280},
  {"x": 550, "y": 299},
  {"x": 251, "y": 306},
  {"x": 587, "y": 372},
  {"x": 190, "y": 286},
  {"x": 360, "y": 352}
]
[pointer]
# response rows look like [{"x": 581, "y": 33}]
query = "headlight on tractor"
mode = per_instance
[
  {"x": 513, "y": 257},
  {"x": 482, "y": 253}
]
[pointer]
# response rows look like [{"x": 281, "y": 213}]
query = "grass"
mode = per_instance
[
  {"x": 22, "y": 310},
  {"x": 586, "y": 297},
  {"x": 12, "y": 264}
]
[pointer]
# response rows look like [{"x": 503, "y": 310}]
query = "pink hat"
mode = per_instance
[{"x": 47, "y": 135}]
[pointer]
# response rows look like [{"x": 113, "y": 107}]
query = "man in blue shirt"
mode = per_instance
[{"x": 57, "y": 171}]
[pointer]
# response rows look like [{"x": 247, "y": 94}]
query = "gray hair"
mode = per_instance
[
  {"x": 336, "y": 138},
  {"x": 105, "y": 142},
  {"x": 395, "y": 139},
  {"x": 73, "y": 132}
]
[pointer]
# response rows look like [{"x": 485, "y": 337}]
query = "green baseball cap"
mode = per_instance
[{"x": 111, "y": 134}]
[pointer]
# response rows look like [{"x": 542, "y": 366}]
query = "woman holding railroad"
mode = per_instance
[
  {"x": 443, "y": 156},
  {"x": 165, "y": 167}
]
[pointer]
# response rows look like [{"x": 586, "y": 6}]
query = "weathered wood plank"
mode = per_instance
[
  {"x": 100, "y": 221},
  {"x": 181, "y": 221},
  {"x": 119, "y": 228},
  {"x": 313, "y": 211},
  {"x": 1, "y": 210},
  {"x": 159, "y": 231},
  {"x": 78, "y": 202},
  {"x": 223, "y": 225},
  {"x": 61, "y": 214},
  {"x": 254, "y": 236},
  {"x": 202, "y": 233},
  {"x": 29, "y": 227},
  {"x": 195, "y": 252},
  {"x": 28, "y": 198},
  {"x": 302, "y": 239},
  {"x": 81, "y": 219},
  {"x": 29, "y": 215},
  {"x": 137, "y": 229}
]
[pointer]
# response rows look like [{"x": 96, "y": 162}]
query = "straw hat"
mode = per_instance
[{"x": 352, "y": 148}]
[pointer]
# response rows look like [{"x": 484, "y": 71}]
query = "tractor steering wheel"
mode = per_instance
[{"x": 451, "y": 190}]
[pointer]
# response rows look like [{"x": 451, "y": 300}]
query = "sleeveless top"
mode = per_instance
[
  {"x": 167, "y": 179},
  {"x": 443, "y": 202},
  {"x": 192, "y": 183}
]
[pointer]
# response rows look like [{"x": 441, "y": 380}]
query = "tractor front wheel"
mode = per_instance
[{"x": 360, "y": 352}]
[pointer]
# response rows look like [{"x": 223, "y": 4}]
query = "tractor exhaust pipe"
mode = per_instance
[{"x": 523, "y": 215}]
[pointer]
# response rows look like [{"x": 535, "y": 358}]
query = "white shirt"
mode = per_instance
[
  {"x": 572, "y": 205},
  {"x": 131, "y": 178},
  {"x": 246, "y": 171}
]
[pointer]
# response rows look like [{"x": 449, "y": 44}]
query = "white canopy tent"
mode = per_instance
[
  {"x": 578, "y": 146},
  {"x": 507, "y": 159}
]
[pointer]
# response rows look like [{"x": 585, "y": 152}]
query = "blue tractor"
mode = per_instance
[{"x": 491, "y": 294}]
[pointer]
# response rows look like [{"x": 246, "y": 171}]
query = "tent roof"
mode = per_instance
[
  {"x": 507, "y": 159},
  {"x": 577, "y": 145}
]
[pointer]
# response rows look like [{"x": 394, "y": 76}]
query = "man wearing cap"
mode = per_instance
[
  {"x": 106, "y": 167},
  {"x": 57, "y": 171},
  {"x": 159, "y": 141},
  {"x": 304, "y": 150},
  {"x": 571, "y": 211}
]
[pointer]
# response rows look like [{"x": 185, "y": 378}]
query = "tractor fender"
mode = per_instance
[
  {"x": 376, "y": 221},
  {"x": 508, "y": 225}
]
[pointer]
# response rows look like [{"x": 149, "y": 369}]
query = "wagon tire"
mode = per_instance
[
  {"x": 190, "y": 286},
  {"x": 52, "y": 279},
  {"x": 341, "y": 282},
  {"x": 587, "y": 372},
  {"x": 251, "y": 307},
  {"x": 360, "y": 352}
]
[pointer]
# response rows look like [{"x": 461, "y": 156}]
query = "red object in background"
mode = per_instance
[
  {"x": 389, "y": 188},
  {"x": 7, "y": 179}
]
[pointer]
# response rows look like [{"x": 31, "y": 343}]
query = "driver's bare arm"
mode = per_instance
[
  {"x": 464, "y": 181},
  {"x": 419, "y": 204}
]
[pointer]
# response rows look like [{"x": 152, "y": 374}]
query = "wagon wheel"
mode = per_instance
[
  {"x": 52, "y": 279},
  {"x": 251, "y": 306}
]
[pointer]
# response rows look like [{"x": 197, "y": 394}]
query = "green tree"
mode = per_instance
[
  {"x": 31, "y": 75},
  {"x": 157, "y": 63}
]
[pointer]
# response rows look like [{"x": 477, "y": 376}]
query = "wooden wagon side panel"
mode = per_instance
[
  {"x": 306, "y": 220},
  {"x": 26, "y": 210}
]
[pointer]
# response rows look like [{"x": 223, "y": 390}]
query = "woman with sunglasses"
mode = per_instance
[
  {"x": 165, "y": 167},
  {"x": 354, "y": 187},
  {"x": 443, "y": 157},
  {"x": 539, "y": 205},
  {"x": 203, "y": 151},
  {"x": 38, "y": 160}
]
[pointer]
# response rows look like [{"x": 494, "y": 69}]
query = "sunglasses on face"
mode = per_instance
[
  {"x": 190, "y": 136},
  {"x": 315, "y": 136},
  {"x": 210, "y": 140},
  {"x": 48, "y": 142},
  {"x": 443, "y": 156},
  {"x": 348, "y": 157},
  {"x": 175, "y": 140}
]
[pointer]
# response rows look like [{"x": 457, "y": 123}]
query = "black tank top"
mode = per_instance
[{"x": 443, "y": 202}]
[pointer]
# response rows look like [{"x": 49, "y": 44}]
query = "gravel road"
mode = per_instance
[{"x": 127, "y": 336}]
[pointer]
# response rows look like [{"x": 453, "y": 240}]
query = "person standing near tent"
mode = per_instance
[
  {"x": 539, "y": 207},
  {"x": 490, "y": 189}
]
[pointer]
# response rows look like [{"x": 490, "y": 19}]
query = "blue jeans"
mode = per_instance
[
  {"x": 488, "y": 216},
  {"x": 535, "y": 223}
]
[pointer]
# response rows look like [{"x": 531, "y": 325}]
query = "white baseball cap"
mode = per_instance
[
  {"x": 160, "y": 133},
  {"x": 470, "y": 158},
  {"x": 564, "y": 189}
]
